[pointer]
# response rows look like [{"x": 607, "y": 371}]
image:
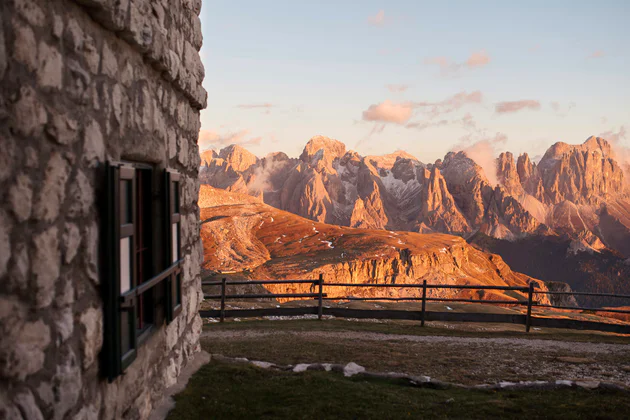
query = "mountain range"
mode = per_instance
[
  {"x": 564, "y": 219},
  {"x": 578, "y": 193}
]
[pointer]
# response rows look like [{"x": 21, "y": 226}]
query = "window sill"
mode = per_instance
[{"x": 144, "y": 335}]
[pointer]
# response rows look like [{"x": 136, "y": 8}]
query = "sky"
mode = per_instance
[{"x": 426, "y": 77}]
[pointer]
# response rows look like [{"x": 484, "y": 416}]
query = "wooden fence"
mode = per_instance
[{"x": 423, "y": 315}]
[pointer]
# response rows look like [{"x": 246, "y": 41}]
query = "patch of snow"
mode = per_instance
[
  {"x": 449, "y": 308},
  {"x": 352, "y": 369},
  {"x": 398, "y": 188},
  {"x": 330, "y": 245},
  {"x": 301, "y": 367},
  {"x": 327, "y": 367}
]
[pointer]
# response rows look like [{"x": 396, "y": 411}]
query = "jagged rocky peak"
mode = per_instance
[
  {"x": 508, "y": 174},
  {"x": 322, "y": 148},
  {"x": 207, "y": 156},
  {"x": 407, "y": 169},
  {"x": 388, "y": 161},
  {"x": 459, "y": 169},
  {"x": 581, "y": 173},
  {"x": 439, "y": 212},
  {"x": 524, "y": 167},
  {"x": 239, "y": 158},
  {"x": 277, "y": 157}
]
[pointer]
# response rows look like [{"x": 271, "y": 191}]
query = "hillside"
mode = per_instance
[
  {"x": 241, "y": 233},
  {"x": 555, "y": 259}
]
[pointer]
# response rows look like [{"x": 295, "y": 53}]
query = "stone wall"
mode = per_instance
[{"x": 83, "y": 82}]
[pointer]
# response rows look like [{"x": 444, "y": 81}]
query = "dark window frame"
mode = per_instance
[{"x": 120, "y": 224}]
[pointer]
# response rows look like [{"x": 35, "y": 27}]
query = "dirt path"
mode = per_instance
[
  {"x": 520, "y": 343},
  {"x": 468, "y": 360}
]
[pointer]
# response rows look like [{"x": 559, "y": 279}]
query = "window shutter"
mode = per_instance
[
  {"x": 173, "y": 284},
  {"x": 120, "y": 345}
]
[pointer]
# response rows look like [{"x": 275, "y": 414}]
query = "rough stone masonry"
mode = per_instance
[{"x": 83, "y": 82}]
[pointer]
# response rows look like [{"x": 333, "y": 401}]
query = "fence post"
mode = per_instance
[
  {"x": 424, "y": 302},
  {"x": 223, "y": 299},
  {"x": 530, "y": 295},
  {"x": 320, "y": 309}
]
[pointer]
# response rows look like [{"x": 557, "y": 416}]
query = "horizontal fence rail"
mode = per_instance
[{"x": 523, "y": 319}]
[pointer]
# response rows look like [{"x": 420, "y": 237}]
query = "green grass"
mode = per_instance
[{"x": 226, "y": 391}]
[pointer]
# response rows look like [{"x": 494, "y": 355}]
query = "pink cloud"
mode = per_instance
[
  {"x": 211, "y": 139},
  {"x": 388, "y": 111},
  {"x": 451, "y": 103},
  {"x": 514, "y": 106},
  {"x": 597, "y": 54},
  {"x": 477, "y": 59},
  {"x": 378, "y": 19},
  {"x": 443, "y": 62},
  {"x": 397, "y": 88},
  {"x": 467, "y": 122}
]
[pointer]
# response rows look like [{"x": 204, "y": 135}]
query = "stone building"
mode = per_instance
[{"x": 99, "y": 238}]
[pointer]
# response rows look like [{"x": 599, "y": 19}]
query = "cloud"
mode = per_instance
[
  {"x": 515, "y": 106},
  {"x": 450, "y": 104},
  {"x": 378, "y": 19},
  {"x": 597, "y": 54},
  {"x": 397, "y": 88},
  {"x": 622, "y": 151},
  {"x": 389, "y": 111},
  {"x": 211, "y": 139},
  {"x": 265, "y": 105},
  {"x": 484, "y": 152},
  {"x": 466, "y": 122},
  {"x": 477, "y": 59}
]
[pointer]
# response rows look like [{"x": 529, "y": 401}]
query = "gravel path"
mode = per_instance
[{"x": 520, "y": 343}]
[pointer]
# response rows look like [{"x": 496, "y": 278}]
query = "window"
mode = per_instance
[{"x": 141, "y": 258}]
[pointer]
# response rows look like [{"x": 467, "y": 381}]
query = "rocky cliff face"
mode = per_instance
[
  {"x": 273, "y": 244},
  {"x": 575, "y": 191}
]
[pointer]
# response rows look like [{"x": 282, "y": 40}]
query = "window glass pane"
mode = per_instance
[
  {"x": 125, "y": 332},
  {"x": 175, "y": 239},
  {"x": 176, "y": 197},
  {"x": 125, "y": 265},
  {"x": 126, "y": 189}
]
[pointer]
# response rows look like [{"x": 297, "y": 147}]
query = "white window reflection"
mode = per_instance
[
  {"x": 175, "y": 240},
  {"x": 125, "y": 265}
]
